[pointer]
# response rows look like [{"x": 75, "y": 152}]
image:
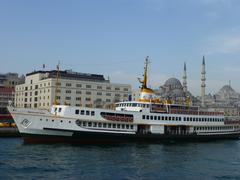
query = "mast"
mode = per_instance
[
  {"x": 57, "y": 84},
  {"x": 144, "y": 81},
  {"x": 203, "y": 85}
]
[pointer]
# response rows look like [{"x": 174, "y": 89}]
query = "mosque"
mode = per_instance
[{"x": 226, "y": 99}]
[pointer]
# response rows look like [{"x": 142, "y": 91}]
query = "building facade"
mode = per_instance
[
  {"x": 41, "y": 89},
  {"x": 6, "y": 96},
  {"x": 10, "y": 80}
]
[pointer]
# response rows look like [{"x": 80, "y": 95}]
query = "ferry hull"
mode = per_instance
[{"x": 97, "y": 138}]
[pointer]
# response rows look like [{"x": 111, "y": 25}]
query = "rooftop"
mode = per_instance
[{"x": 69, "y": 74}]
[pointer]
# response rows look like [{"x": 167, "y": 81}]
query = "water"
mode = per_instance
[{"x": 208, "y": 160}]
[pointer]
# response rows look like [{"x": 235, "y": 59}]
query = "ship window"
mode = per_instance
[
  {"x": 77, "y": 111},
  {"x": 84, "y": 123},
  {"x": 95, "y": 124},
  {"x": 187, "y": 118},
  {"x": 123, "y": 126},
  {"x": 61, "y": 121},
  {"x": 99, "y": 124},
  {"x": 87, "y": 112},
  {"x": 82, "y": 112},
  {"x": 162, "y": 118},
  {"x": 78, "y": 122},
  {"x": 155, "y": 117},
  {"x": 40, "y": 119},
  {"x": 134, "y": 104},
  {"x": 90, "y": 124},
  {"x": 159, "y": 117},
  {"x": 46, "y": 119},
  {"x": 143, "y": 116},
  {"x": 190, "y": 119},
  {"x": 170, "y": 118},
  {"x": 69, "y": 121},
  {"x": 194, "y": 119},
  {"x": 173, "y": 118},
  {"x": 109, "y": 125},
  {"x": 127, "y": 126},
  {"x": 60, "y": 109},
  {"x": 184, "y": 119},
  {"x": 147, "y": 116},
  {"x": 151, "y": 117},
  {"x": 114, "y": 125},
  {"x": 52, "y": 120},
  {"x": 131, "y": 126},
  {"x": 92, "y": 113},
  {"x": 118, "y": 126},
  {"x": 104, "y": 125}
]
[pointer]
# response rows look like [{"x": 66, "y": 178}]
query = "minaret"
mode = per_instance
[
  {"x": 185, "y": 79},
  {"x": 203, "y": 79}
]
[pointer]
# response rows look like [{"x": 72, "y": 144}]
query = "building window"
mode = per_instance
[
  {"x": 108, "y": 88},
  {"x": 36, "y": 86},
  {"x": 77, "y": 111},
  {"x": 108, "y": 100},
  {"x": 68, "y": 84},
  {"x": 125, "y": 89},
  {"x": 88, "y": 99},
  {"x": 68, "y": 91},
  {"x": 88, "y": 92},
  {"x": 99, "y": 93},
  {"x": 78, "y": 92},
  {"x": 117, "y": 89},
  {"x": 99, "y": 87},
  {"x": 108, "y": 94},
  {"x": 88, "y": 86},
  {"x": 68, "y": 98},
  {"x": 78, "y": 98},
  {"x": 78, "y": 85}
]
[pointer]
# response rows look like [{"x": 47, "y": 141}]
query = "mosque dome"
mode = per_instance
[
  {"x": 177, "y": 93},
  {"x": 227, "y": 88},
  {"x": 173, "y": 83}
]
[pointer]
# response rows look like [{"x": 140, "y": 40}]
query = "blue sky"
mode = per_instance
[{"x": 113, "y": 37}]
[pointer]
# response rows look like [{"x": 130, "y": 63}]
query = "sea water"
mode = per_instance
[{"x": 189, "y": 160}]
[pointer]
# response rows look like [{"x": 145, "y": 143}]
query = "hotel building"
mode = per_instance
[{"x": 41, "y": 89}]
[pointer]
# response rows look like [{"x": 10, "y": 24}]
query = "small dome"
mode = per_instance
[{"x": 173, "y": 83}]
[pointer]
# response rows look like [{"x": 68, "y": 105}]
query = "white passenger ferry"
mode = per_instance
[{"x": 147, "y": 119}]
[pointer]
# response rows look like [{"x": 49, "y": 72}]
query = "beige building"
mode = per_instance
[{"x": 76, "y": 89}]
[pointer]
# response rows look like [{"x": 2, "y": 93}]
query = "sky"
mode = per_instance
[{"x": 113, "y": 38}]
